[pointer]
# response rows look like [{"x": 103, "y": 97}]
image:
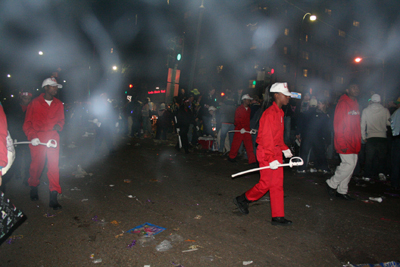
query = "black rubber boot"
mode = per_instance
[
  {"x": 53, "y": 201},
  {"x": 242, "y": 203},
  {"x": 280, "y": 221},
  {"x": 34, "y": 193}
]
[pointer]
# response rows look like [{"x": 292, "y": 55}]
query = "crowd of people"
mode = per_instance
[{"x": 366, "y": 139}]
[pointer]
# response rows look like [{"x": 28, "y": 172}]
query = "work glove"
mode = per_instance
[
  {"x": 35, "y": 141},
  {"x": 287, "y": 153},
  {"x": 274, "y": 165},
  {"x": 253, "y": 131}
]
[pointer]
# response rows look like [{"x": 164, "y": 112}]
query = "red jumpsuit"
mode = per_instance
[
  {"x": 39, "y": 123},
  {"x": 242, "y": 120},
  {"x": 3, "y": 138},
  {"x": 270, "y": 147}
]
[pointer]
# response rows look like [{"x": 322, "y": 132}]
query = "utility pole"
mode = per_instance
[{"x": 196, "y": 48}]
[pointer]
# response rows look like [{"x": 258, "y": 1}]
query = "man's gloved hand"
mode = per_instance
[
  {"x": 287, "y": 153},
  {"x": 274, "y": 165},
  {"x": 35, "y": 141}
]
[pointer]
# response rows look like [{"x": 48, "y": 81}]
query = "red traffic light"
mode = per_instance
[
  {"x": 131, "y": 86},
  {"x": 222, "y": 94}
]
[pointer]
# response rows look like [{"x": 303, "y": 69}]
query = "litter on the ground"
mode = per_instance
[
  {"x": 97, "y": 261},
  {"x": 189, "y": 240},
  {"x": 198, "y": 217},
  {"x": 147, "y": 229},
  {"x": 85, "y": 199},
  {"x": 146, "y": 241},
  {"x": 247, "y": 262},
  {"x": 377, "y": 199},
  {"x": 175, "y": 238},
  {"x": 75, "y": 189},
  {"x": 115, "y": 223},
  {"x": 80, "y": 172},
  {"x": 308, "y": 206},
  {"x": 132, "y": 244},
  {"x": 382, "y": 264},
  {"x": 111, "y": 185},
  {"x": 12, "y": 239},
  {"x": 164, "y": 246},
  {"x": 128, "y": 181},
  {"x": 190, "y": 250}
]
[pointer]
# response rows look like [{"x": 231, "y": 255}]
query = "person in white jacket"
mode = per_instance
[{"x": 374, "y": 122}]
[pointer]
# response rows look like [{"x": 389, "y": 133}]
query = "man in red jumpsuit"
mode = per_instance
[
  {"x": 44, "y": 119},
  {"x": 269, "y": 153},
  {"x": 347, "y": 127},
  {"x": 242, "y": 121}
]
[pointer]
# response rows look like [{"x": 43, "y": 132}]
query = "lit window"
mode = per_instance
[
  {"x": 305, "y": 55},
  {"x": 305, "y": 72},
  {"x": 112, "y": 50},
  {"x": 342, "y": 33},
  {"x": 219, "y": 68},
  {"x": 286, "y": 31},
  {"x": 339, "y": 79},
  {"x": 328, "y": 11},
  {"x": 285, "y": 50},
  {"x": 356, "y": 23},
  {"x": 306, "y": 38}
]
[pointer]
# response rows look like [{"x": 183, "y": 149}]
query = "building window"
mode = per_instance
[
  {"x": 112, "y": 50},
  {"x": 328, "y": 11},
  {"x": 286, "y": 50},
  {"x": 342, "y": 33},
  {"x": 356, "y": 23},
  {"x": 306, "y": 38},
  {"x": 305, "y": 55},
  {"x": 219, "y": 68},
  {"x": 339, "y": 79},
  {"x": 305, "y": 73},
  {"x": 287, "y": 31},
  {"x": 285, "y": 68}
]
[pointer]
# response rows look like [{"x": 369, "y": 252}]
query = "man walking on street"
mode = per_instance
[
  {"x": 374, "y": 120},
  {"x": 242, "y": 121},
  {"x": 347, "y": 141},
  {"x": 269, "y": 153},
  {"x": 44, "y": 119}
]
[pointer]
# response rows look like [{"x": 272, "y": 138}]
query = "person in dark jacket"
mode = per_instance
[
  {"x": 313, "y": 130},
  {"x": 184, "y": 118},
  {"x": 163, "y": 122},
  {"x": 227, "y": 118}
]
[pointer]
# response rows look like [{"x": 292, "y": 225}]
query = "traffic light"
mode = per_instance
[
  {"x": 254, "y": 82},
  {"x": 131, "y": 86},
  {"x": 178, "y": 57},
  {"x": 126, "y": 92}
]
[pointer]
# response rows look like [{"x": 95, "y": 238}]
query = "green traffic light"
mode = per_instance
[
  {"x": 254, "y": 82},
  {"x": 126, "y": 92},
  {"x": 178, "y": 57}
]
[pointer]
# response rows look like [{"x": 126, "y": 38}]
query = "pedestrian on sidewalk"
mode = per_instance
[
  {"x": 242, "y": 121},
  {"x": 269, "y": 153},
  {"x": 44, "y": 119},
  {"x": 346, "y": 124},
  {"x": 374, "y": 120}
]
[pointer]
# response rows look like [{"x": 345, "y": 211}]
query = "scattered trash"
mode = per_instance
[
  {"x": 92, "y": 256},
  {"x": 198, "y": 217},
  {"x": 132, "y": 244},
  {"x": 147, "y": 240},
  {"x": 85, "y": 199},
  {"x": 247, "y": 262},
  {"x": 175, "y": 238},
  {"x": 128, "y": 181},
  {"x": 97, "y": 261},
  {"x": 87, "y": 134},
  {"x": 115, "y": 223},
  {"x": 137, "y": 144},
  {"x": 112, "y": 185},
  {"x": 382, "y": 264},
  {"x": 206, "y": 258},
  {"x": 308, "y": 206},
  {"x": 190, "y": 250},
  {"x": 101, "y": 222},
  {"x": 377, "y": 199},
  {"x": 48, "y": 215},
  {"x": 80, "y": 172},
  {"x": 164, "y": 246},
  {"x": 146, "y": 266},
  {"x": 189, "y": 240},
  {"x": 195, "y": 247},
  {"x": 147, "y": 229},
  {"x": 75, "y": 189},
  {"x": 119, "y": 235},
  {"x": 12, "y": 239}
]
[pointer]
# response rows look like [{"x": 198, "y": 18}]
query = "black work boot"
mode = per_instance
[
  {"x": 53, "y": 201},
  {"x": 242, "y": 203},
  {"x": 34, "y": 193},
  {"x": 280, "y": 221}
]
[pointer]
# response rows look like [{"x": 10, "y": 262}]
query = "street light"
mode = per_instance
[
  {"x": 8, "y": 75},
  {"x": 115, "y": 68},
  {"x": 40, "y": 53},
  {"x": 312, "y": 18},
  {"x": 359, "y": 59}
]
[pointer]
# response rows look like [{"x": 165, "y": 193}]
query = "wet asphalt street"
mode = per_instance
[{"x": 191, "y": 196}]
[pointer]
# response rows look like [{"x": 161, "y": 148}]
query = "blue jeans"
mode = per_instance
[{"x": 225, "y": 128}]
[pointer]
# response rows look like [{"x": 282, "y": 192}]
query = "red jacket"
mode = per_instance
[
  {"x": 242, "y": 118},
  {"x": 3, "y": 138},
  {"x": 41, "y": 118},
  {"x": 346, "y": 124},
  {"x": 270, "y": 132}
]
